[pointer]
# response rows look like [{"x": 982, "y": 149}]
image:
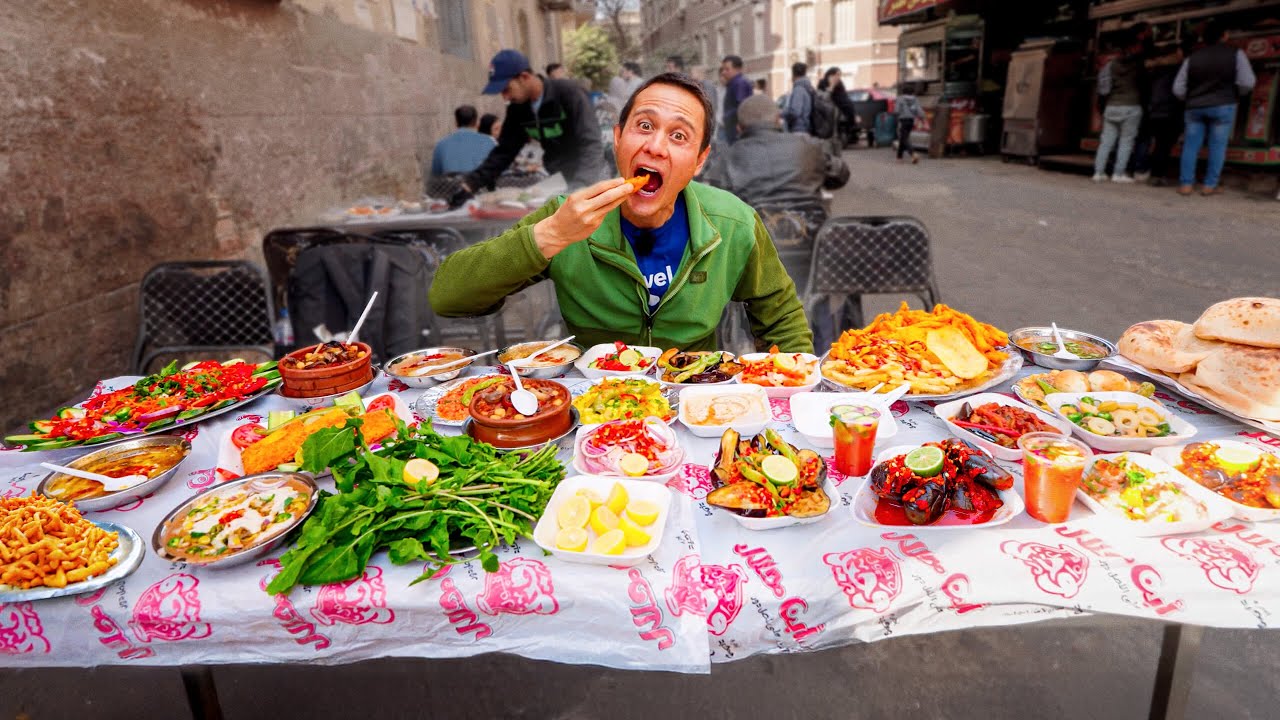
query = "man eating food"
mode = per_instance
[{"x": 650, "y": 258}]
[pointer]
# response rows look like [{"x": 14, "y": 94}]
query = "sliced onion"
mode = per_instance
[{"x": 163, "y": 412}]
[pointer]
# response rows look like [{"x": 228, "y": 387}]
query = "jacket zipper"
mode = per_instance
[{"x": 680, "y": 283}]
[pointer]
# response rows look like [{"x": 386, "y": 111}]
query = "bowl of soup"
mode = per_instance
[
  {"x": 155, "y": 457},
  {"x": 548, "y": 365},
  {"x": 1037, "y": 345},
  {"x": 429, "y": 366}
]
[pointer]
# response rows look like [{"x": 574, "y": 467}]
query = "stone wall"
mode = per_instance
[{"x": 134, "y": 132}]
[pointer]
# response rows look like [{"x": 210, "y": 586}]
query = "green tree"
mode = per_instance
[{"x": 591, "y": 55}]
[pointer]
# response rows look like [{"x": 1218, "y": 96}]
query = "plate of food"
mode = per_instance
[
  {"x": 156, "y": 457},
  {"x": 943, "y": 354},
  {"x": 1118, "y": 421},
  {"x": 237, "y": 521},
  {"x": 1037, "y": 344},
  {"x": 553, "y": 363},
  {"x": 429, "y": 366},
  {"x": 493, "y": 419},
  {"x": 1033, "y": 388},
  {"x": 276, "y": 444},
  {"x": 645, "y": 449},
  {"x": 604, "y": 521},
  {"x": 617, "y": 359},
  {"x": 811, "y": 414},
  {"x": 131, "y": 406},
  {"x": 994, "y": 423},
  {"x": 1147, "y": 497},
  {"x": 697, "y": 367},
  {"x": 1246, "y": 475},
  {"x": 711, "y": 411},
  {"x": 765, "y": 482},
  {"x": 52, "y": 551},
  {"x": 623, "y": 398},
  {"x": 945, "y": 485},
  {"x": 780, "y": 374}
]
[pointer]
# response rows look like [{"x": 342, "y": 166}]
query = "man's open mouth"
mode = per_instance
[{"x": 651, "y": 187}]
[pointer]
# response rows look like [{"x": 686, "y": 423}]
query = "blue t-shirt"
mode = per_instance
[
  {"x": 461, "y": 152},
  {"x": 658, "y": 250}
]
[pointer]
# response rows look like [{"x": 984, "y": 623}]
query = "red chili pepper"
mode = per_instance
[{"x": 233, "y": 515}]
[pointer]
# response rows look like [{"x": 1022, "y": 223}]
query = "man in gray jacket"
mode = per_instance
[
  {"x": 800, "y": 101},
  {"x": 1212, "y": 81},
  {"x": 1120, "y": 85}
]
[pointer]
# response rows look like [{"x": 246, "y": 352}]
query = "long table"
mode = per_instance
[{"x": 713, "y": 592}]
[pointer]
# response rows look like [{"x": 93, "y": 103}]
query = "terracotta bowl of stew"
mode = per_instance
[
  {"x": 495, "y": 421},
  {"x": 330, "y": 368}
]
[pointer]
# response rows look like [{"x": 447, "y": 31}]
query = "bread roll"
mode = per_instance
[
  {"x": 1108, "y": 381},
  {"x": 1166, "y": 345},
  {"x": 1248, "y": 321}
]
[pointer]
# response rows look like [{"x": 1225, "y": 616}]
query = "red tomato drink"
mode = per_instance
[
  {"x": 1052, "y": 466},
  {"x": 854, "y": 428}
]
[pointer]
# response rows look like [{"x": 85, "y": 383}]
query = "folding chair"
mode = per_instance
[
  {"x": 856, "y": 256},
  {"x": 203, "y": 306}
]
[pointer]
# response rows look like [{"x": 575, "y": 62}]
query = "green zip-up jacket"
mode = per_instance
[{"x": 602, "y": 295}]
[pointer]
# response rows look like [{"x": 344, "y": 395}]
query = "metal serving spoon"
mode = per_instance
[
  {"x": 522, "y": 362},
  {"x": 110, "y": 484}
]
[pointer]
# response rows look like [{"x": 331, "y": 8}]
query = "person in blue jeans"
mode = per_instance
[
  {"x": 1212, "y": 81},
  {"x": 1120, "y": 84}
]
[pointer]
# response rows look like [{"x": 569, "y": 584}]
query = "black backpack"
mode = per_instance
[{"x": 822, "y": 116}]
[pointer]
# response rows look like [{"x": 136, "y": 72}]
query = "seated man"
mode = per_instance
[
  {"x": 462, "y": 150},
  {"x": 653, "y": 264}
]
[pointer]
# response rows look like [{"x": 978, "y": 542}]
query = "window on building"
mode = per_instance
[
  {"x": 455, "y": 27},
  {"x": 843, "y": 13},
  {"x": 720, "y": 42},
  {"x": 802, "y": 26},
  {"x": 737, "y": 37},
  {"x": 759, "y": 33}
]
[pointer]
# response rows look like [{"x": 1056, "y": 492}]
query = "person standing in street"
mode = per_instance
[
  {"x": 800, "y": 101},
  {"x": 1212, "y": 81},
  {"x": 1164, "y": 117},
  {"x": 909, "y": 111},
  {"x": 736, "y": 89},
  {"x": 556, "y": 113},
  {"x": 556, "y": 71},
  {"x": 1120, "y": 86}
]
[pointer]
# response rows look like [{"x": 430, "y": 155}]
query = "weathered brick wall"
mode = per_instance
[{"x": 138, "y": 131}]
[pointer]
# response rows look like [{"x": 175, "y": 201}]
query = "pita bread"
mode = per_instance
[
  {"x": 1166, "y": 345},
  {"x": 1248, "y": 321},
  {"x": 1242, "y": 379}
]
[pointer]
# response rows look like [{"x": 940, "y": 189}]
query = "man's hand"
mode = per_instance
[
  {"x": 459, "y": 198},
  {"x": 580, "y": 215}
]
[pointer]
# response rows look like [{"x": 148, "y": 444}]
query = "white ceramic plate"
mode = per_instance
[
  {"x": 811, "y": 412},
  {"x": 230, "y": 465},
  {"x": 1218, "y": 508},
  {"x": 595, "y": 352},
  {"x": 815, "y": 378},
  {"x": 128, "y": 556},
  {"x": 864, "y": 502},
  {"x": 1005, "y": 372},
  {"x": 1172, "y": 456},
  {"x": 748, "y": 426},
  {"x": 1182, "y": 431},
  {"x": 948, "y": 411},
  {"x": 544, "y": 533}
]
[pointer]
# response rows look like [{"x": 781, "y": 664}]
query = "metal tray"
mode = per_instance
[
  {"x": 1006, "y": 372},
  {"x": 113, "y": 500},
  {"x": 128, "y": 554}
]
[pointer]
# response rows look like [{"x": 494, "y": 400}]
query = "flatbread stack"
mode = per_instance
[{"x": 1230, "y": 356}]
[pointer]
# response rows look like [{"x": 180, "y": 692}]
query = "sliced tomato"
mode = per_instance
[
  {"x": 382, "y": 402},
  {"x": 246, "y": 435},
  {"x": 226, "y": 474}
]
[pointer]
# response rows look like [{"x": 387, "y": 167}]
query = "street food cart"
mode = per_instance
[
  {"x": 945, "y": 59},
  {"x": 1040, "y": 98}
]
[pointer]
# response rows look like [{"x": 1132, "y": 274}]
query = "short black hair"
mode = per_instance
[
  {"x": 677, "y": 61},
  {"x": 634, "y": 67},
  {"x": 465, "y": 115},
  {"x": 762, "y": 84},
  {"x": 552, "y": 68},
  {"x": 733, "y": 60},
  {"x": 1213, "y": 32},
  {"x": 686, "y": 83},
  {"x": 799, "y": 70},
  {"x": 486, "y": 123}
]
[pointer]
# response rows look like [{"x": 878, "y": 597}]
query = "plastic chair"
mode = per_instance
[
  {"x": 856, "y": 256},
  {"x": 202, "y": 306}
]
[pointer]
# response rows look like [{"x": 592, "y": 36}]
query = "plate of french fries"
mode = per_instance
[
  {"x": 48, "y": 550},
  {"x": 942, "y": 353}
]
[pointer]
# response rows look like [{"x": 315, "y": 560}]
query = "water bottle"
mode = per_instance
[{"x": 284, "y": 329}]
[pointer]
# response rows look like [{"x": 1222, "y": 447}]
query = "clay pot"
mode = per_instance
[
  {"x": 326, "y": 379},
  {"x": 550, "y": 422}
]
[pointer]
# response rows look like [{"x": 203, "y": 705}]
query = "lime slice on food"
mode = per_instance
[
  {"x": 1237, "y": 459},
  {"x": 779, "y": 470},
  {"x": 924, "y": 461}
]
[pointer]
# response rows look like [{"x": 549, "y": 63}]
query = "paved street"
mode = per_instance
[{"x": 1014, "y": 245}]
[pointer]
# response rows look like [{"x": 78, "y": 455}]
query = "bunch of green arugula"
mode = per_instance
[{"x": 481, "y": 498}]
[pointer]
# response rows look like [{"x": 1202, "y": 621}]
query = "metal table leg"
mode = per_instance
[
  {"x": 202, "y": 695},
  {"x": 1178, "y": 652}
]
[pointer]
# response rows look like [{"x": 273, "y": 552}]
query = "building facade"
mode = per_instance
[{"x": 770, "y": 35}]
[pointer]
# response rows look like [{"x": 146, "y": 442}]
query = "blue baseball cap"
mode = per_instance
[{"x": 504, "y": 66}]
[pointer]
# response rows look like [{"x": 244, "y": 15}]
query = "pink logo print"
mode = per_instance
[
  {"x": 692, "y": 584},
  {"x": 693, "y": 481},
  {"x": 900, "y": 408},
  {"x": 1056, "y": 570},
  {"x": 20, "y": 630},
  {"x": 200, "y": 479},
  {"x": 249, "y": 417},
  {"x": 170, "y": 610},
  {"x": 520, "y": 587},
  {"x": 870, "y": 579},
  {"x": 354, "y": 602},
  {"x": 190, "y": 433},
  {"x": 781, "y": 408},
  {"x": 1225, "y": 565},
  {"x": 397, "y": 385},
  {"x": 836, "y": 476}
]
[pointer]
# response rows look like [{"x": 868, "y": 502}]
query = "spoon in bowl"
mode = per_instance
[
  {"x": 1063, "y": 352},
  {"x": 525, "y": 402},
  {"x": 434, "y": 369},
  {"x": 110, "y": 484},
  {"x": 524, "y": 361}
]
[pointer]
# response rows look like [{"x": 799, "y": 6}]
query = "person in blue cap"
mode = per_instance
[{"x": 555, "y": 112}]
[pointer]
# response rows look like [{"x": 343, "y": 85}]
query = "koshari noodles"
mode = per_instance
[{"x": 725, "y": 409}]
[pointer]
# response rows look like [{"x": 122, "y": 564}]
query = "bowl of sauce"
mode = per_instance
[
  {"x": 157, "y": 457},
  {"x": 1038, "y": 346}
]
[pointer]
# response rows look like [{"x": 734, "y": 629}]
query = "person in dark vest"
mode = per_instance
[
  {"x": 1164, "y": 116},
  {"x": 1212, "y": 81},
  {"x": 1120, "y": 84}
]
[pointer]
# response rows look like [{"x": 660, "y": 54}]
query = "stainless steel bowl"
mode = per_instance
[
  {"x": 425, "y": 381},
  {"x": 264, "y": 481},
  {"x": 1048, "y": 360},
  {"x": 113, "y": 500},
  {"x": 542, "y": 373},
  {"x": 563, "y": 441}
]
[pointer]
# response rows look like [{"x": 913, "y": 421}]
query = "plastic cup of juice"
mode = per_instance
[
  {"x": 854, "y": 428},
  {"x": 1052, "y": 466}
]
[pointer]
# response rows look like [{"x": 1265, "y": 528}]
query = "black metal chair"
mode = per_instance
[
  {"x": 203, "y": 306},
  {"x": 856, "y": 256}
]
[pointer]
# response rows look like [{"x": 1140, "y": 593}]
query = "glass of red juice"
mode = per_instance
[{"x": 854, "y": 428}]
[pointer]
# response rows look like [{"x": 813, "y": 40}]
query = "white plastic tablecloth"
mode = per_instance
[{"x": 713, "y": 591}]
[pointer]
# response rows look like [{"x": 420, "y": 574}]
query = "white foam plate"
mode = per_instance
[
  {"x": 811, "y": 412},
  {"x": 783, "y": 392},
  {"x": 948, "y": 411},
  {"x": 595, "y": 352},
  {"x": 1182, "y": 431},
  {"x": 1219, "y": 508},
  {"x": 1171, "y": 455},
  {"x": 745, "y": 427},
  {"x": 544, "y": 533}
]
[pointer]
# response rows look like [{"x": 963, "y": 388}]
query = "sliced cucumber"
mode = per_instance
[
  {"x": 276, "y": 418},
  {"x": 71, "y": 413},
  {"x": 51, "y": 445},
  {"x": 226, "y": 402},
  {"x": 233, "y": 361},
  {"x": 162, "y": 422},
  {"x": 629, "y": 357},
  {"x": 190, "y": 365},
  {"x": 264, "y": 367},
  {"x": 269, "y": 374},
  {"x": 288, "y": 467},
  {"x": 25, "y": 439},
  {"x": 193, "y": 412},
  {"x": 350, "y": 403},
  {"x": 104, "y": 438},
  {"x": 43, "y": 427}
]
